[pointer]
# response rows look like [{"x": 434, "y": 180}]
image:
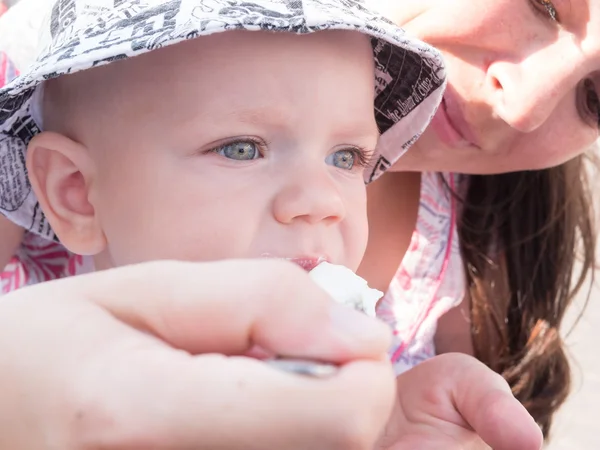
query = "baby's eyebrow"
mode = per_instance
[
  {"x": 281, "y": 118},
  {"x": 260, "y": 116}
]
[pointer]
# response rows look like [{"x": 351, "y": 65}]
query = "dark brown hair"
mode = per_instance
[{"x": 528, "y": 242}]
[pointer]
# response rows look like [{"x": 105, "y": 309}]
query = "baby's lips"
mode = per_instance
[{"x": 308, "y": 263}]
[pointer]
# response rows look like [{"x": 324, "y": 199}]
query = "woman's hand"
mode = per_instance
[
  {"x": 129, "y": 359},
  {"x": 454, "y": 402}
]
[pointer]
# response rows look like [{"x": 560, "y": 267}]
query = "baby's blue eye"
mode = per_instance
[
  {"x": 241, "y": 151},
  {"x": 342, "y": 159}
]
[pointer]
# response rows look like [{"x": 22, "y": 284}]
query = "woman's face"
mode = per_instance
[{"x": 523, "y": 82}]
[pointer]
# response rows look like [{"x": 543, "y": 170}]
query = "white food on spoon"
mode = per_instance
[{"x": 346, "y": 287}]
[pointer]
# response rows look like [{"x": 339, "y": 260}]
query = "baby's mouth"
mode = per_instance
[{"x": 308, "y": 263}]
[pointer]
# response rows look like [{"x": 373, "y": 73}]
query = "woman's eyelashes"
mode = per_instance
[
  {"x": 588, "y": 100},
  {"x": 588, "y": 103},
  {"x": 546, "y": 8},
  {"x": 249, "y": 149}
]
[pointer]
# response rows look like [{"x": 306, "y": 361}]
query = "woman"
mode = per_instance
[
  {"x": 522, "y": 97},
  {"x": 513, "y": 104}
]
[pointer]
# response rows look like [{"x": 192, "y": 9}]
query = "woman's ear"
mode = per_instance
[{"x": 61, "y": 173}]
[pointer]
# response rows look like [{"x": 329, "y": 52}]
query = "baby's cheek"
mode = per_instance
[
  {"x": 137, "y": 232},
  {"x": 355, "y": 235}
]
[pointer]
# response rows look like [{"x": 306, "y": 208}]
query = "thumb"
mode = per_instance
[{"x": 486, "y": 403}]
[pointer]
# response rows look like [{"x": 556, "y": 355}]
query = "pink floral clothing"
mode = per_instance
[
  {"x": 39, "y": 260},
  {"x": 429, "y": 282}
]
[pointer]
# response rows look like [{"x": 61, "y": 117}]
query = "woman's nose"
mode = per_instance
[{"x": 526, "y": 92}]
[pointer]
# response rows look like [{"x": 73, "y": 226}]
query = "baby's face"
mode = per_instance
[{"x": 236, "y": 145}]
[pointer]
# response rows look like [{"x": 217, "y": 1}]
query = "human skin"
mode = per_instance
[
  {"x": 240, "y": 154},
  {"x": 59, "y": 174},
  {"x": 542, "y": 127},
  {"x": 149, "y": 361},
  {"x": 521, "y": 96},
  {"x": 510, "y": 81},
  {"x": 522, "y": 91}
]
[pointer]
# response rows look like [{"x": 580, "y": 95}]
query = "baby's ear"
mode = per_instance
[{"x": 60, "y": 172}]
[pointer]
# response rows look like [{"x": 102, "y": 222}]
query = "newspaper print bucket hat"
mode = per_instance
[{"x": 82, "y": 34}]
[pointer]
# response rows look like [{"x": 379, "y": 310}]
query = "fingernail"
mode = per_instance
[{"x": 357, "y": 326}]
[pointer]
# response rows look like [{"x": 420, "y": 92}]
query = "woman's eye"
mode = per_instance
[
  {"x": 342, "y": 159},
  {"x": 592, "y": 102},
  {"x": 240, "y": 151},
  {"x": 547, "y": 8}
]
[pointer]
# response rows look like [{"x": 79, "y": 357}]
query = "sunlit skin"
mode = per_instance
[
  {"x": 523, "y": 82},
  {"x": 212, "y": 149}
]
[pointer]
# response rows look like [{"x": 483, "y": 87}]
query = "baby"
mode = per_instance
[
  {"x": 238, "y": 144},
  {"x": 228, "y": 145}
]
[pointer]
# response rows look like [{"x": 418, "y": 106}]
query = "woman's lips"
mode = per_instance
[{"x": 450, "y": 125}]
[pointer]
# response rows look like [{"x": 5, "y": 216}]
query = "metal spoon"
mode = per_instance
[{"x": 304, "y": 367}]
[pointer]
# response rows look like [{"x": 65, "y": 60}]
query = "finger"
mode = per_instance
[
  {"x": 239, "y": 395},
  {"x": 486, "y": 403},
  {"x": 433, "y": 440},
  {"x": 501, "y": 421},
  {"x": 459, "y": 390},
  {"x": 228, "y": 307}
]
